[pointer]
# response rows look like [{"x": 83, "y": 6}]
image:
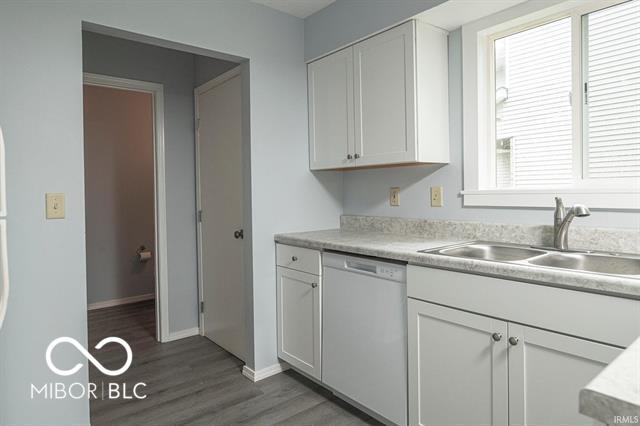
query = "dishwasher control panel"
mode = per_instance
[
  {"x": 391, "y": 272},
  {"x": 362, "y": 265}
]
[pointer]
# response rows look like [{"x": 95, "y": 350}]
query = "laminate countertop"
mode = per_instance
[
  {"x": 613, "y": 397},
  {"x": 406, "y": 248}
]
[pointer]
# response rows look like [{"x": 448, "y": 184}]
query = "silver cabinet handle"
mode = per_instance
[
  {"x": 349, "y": 156},
  {"x": 294, "y": 258},
  {"x": 356, "y": 155},
  {"x": 496, "y": 336},
  {"x": 513, "y": 341},
  {"x": 314, "y": 285}
]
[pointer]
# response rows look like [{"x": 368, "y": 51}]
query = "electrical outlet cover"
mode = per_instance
[{"x": 436, "y": 196}]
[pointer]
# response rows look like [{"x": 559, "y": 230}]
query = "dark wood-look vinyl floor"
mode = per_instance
[{"x": 194, "y": 381}]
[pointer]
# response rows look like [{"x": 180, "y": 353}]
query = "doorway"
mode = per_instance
[
  {"x": 219, "y": 166},
  {"x": 125, "y": 195}
]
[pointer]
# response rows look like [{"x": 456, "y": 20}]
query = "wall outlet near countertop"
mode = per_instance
[
  {"x": 394, "y": 196},
  {"x": 436, "y": 196}
]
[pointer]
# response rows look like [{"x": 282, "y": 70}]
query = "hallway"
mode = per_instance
[{"x": 194, "y": 381}]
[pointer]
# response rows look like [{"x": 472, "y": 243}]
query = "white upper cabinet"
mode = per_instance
[
  {"x": 331, "y": 111},
  {"x": 383, "y": 101},
  {"x": 385, "y": 106}
]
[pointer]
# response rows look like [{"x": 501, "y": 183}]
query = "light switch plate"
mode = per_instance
[
  {"x": 55, "y": 206},
  {"x": 436, "y": 196},
  {"x": 394, "y": 196}
]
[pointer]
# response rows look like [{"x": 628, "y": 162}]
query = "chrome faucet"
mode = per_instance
[{"x": 562, "y": 220}]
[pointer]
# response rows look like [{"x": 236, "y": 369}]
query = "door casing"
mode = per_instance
[{"x": 160, "y": 194}]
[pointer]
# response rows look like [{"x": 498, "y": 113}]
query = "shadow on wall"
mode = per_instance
[{"x": 371, "y": 187}]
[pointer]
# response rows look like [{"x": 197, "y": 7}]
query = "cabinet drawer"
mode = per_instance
[{"x": 298, "y": 258}]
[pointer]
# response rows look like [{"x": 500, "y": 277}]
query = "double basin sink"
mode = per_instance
[{"x": 594, "y": 262}]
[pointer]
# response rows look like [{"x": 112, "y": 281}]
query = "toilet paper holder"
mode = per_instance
[{"x": 144, "y": 254}]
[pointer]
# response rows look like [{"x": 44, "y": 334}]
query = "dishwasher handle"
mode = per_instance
[{"x": 356, "y": 265}]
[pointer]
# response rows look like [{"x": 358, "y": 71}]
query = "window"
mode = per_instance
[
  {"x": 533, "y": 107},
  {"x": 611, "y": 74},
  {"x": 558, "y": 105}
]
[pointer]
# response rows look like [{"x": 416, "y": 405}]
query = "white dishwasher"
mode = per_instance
[{"x": 364, "y": 333}]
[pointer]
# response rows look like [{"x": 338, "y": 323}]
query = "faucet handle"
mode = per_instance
[{"x": 559, "y": 213}]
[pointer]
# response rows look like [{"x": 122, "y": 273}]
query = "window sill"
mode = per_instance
[{"x": 616, "y": 199}]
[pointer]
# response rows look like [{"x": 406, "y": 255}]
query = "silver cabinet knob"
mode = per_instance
[
  {"x": 496, "y": 336},
  {"x": 314, "y": 285},
  {"x": 513, "y": 341},
  {"x": 356, "y": 155},
  {"x": 294, "y": 258},
  {"x": 349, "y": 156}
]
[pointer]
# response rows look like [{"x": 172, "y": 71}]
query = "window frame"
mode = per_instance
[{"x": 479, "y": 113}]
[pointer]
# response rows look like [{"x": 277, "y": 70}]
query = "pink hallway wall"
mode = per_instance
[{"x": 119, "y": 192}]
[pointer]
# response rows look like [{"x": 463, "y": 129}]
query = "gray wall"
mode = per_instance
[
  {"x": 345, "y": 21},
  {"x": 177, "y": 72},
  {"x": 207, "y": 68},
  {"x": 41, "y": 116},
  {"x": 119, "y": 189},
  {"x": 366, "y": 192}
]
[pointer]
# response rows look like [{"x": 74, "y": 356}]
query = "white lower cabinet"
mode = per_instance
[
  {"x": 470, "y": 369},
  {"x": 547, "y": 371},
  {"x": 299, "y": 320},
  {"x": 458, "y": 372}
]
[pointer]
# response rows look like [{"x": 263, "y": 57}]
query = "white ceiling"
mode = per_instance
[
  {"x": 455, "y": 13},
  {"x": 299, "y": 8}
]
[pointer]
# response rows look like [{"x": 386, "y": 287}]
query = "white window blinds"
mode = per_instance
[
  {"x": 612, "y": 100},
  {"x": 534, "y": 147}
]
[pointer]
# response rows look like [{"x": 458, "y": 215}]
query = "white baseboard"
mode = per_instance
[
  {"x": 263, "y": 373},
  {"x": 177, "y": 335},
  {"x": 123, "y": 301}
]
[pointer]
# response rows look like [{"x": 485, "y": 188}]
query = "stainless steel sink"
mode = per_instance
[
  {"x": 488, "y": 251},
  {"x": 600, "y": 263}
]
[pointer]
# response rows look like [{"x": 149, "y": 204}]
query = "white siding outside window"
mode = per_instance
[
  {"x": 533, "y": 107},
  {"x": 612, "y": 107}
]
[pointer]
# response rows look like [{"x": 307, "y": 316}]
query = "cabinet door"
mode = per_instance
[
  {"x": 299, "y": 321},
  {"x": 331, "y": 137},
  {"x": 457, "y": 367},
  {"x": 385, "y": 97},
  {"x": 547, "y": 371}
]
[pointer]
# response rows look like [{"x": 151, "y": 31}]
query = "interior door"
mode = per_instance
[
  {"x": 4, "y": 273},
  {"x": 384, "y": 69},
  {"x": 219, "y": 139},
  {"x": 458, "y": 371},
  {"x": 547, "y": 371}
]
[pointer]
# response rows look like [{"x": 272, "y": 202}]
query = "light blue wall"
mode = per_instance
[
  {"x": 366, "y": 192},
  {"x": 346, "y": 21},
  {"x": 41, "y": 115}
]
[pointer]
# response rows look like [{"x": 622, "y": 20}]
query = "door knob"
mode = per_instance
[
  {"x": 294, "y": 258},
  {"x": 496, "y": 336},
  {"x": 314, "y": 285},
  {"x": 513, "y": 341},
  {"x": 349, "y": 156},
  {"x": 239, "y": 235},
  {"x": 356, "y": 155}
]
